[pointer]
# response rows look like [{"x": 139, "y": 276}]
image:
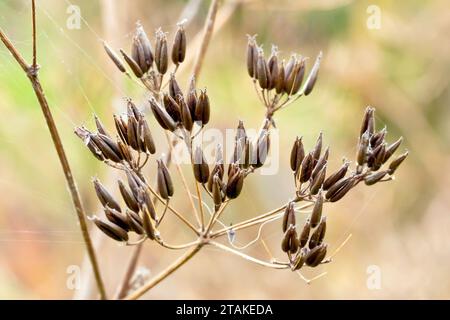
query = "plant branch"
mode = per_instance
[
  {"x": 165, "y": 273},
  {"x": 31, "y": 72},
  {"x": 33, "y": 19},
  {"x": 207, "y": 33},
  {"x": 131, "y": 267}
]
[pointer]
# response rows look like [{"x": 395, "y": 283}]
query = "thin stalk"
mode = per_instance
[
  {"x": 131, "y": 267},
  {"x": 32, "y": 75},
  {"x": 165, "y": 273},
  {"x": 199, "y": 195}
]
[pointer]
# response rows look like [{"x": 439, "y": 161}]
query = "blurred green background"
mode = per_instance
[{"x": 400, "y": 68}]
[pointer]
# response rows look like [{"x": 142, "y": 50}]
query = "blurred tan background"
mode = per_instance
[{"x": 401, "y": 68}]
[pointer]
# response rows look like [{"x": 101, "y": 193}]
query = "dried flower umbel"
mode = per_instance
[{"x": 184, "y": 114}]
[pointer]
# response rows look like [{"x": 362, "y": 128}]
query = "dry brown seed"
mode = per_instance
[
  {"x": 300, "y": 259},
  {"x": 390, "y": 150},
  {"x": 378, "y": 138},
  {"x": 105, "y": 148},
  {"x": 133, "y": 184},
  {"x": 217, "y": 169},
  {"x": 323, "y": 160},
  {"x": 261, "y": 150},
  {"x": 289, "y": 216},
  {"x": 375, "y": 177},
  {"x": 165, "y": 185},
  {"x": 137, "y": 53},
  {"x": 298, "y": 79},
  {"x": 135, "y": 222},
  {"x": 288, "y": 70},
  {"x": 216, "y": 191},
  {"x": 146, "y": 46},
  {"x": 297, "y": 154},
  {"x": 312, "y": 78},
  {"x": 318, "y": 148},
  {"x": 295, "y": 75},
  {"x": 174, "y": 87},
  {"x": 316, "y": 255},
  {"x": 172, "y": 107},
  {"x": 148, "y": 138},
  {"x": 147, "y": 224},
  {"x": 304, "y": 235},
  {"x": 161, "y": 53},
  {"x": 318, "y": 234},
  {"x": 111, "y": 230},
  {"x": 125, "y": 151},
  {"x": 262, "y": 71},
  {"x": 317, "y": 181},
  {"x": 336, "y": 176},
  {"x": 191, "y": 99},
  {"x": 100, "y": 128},
  {"x": 117, "y": 218},
  {"x": 200, "y": 167},
  {"x": 106, "y": 199},
  {"x": 247, "y": 154},
  {"x": 340, "y": 192},
  {"x": 234, "y": 185},
  {"x": 114, "y": 57},
  {"x": 397, "y": 162},
  {"x": 294, "y": 242},
  {"x": 85, "y": 135},
  {"x": 251, "y": 54},
  {"x": 179, "y": 45},
  {"x": 121, "y": 128},
  {"x": 202, "y": 110},
  {"x": 363, "y": 144},
  {"x": 279, "y": 82},
  {"x": 272, "y": 65},
  {"x": 306, "y": 168},
  {"x": 161, "y": 115},
  {"x": 378, "y": 156},
  {"x": 145, "y": 198},
  {"x": 186, "y": 118},
  {"x": 316, "y": 213},
  {"x": 132, "y": 64},
  {"x": 368, "y": 122},
  {"x": 128, "y": 197},
  {"x": 132, "y": 128},
  {"x": 289, "y": 243}
]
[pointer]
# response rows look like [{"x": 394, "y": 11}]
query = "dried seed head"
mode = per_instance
[
  {"x": 135, "y": 222},
  {"x": 312, "y": 78},
  {"x": 100, "y": 128},
  {"x": 289, "y": 216},
  {"x": 272, "y": 65},
  {"x": 134, "y": 184},
  {"x": 235, "y": 184},
  {"x": 279, "y": 81},
  {"x": 288, "y": 70},
  {"x": 128, "y": 197},
  {"x": 121, "y": 128},
  {"x": 317, "y": 181},
  {"x": 179, "y": 45},
  {"x": 317, "y": 148},
  {"x": 252, "y": 53},
  {"x": 85, "y": 135},
  {"x": 368, "y": 123},
  {"x": 200, "y": 166},
  {"x": 117, "y": 218},
  {"x": 186, "y": 118},
  {"x": 390, "y": 150},
  {"x": 297, "y": 154},
  {"x": 318, "y": 234},
  {"x": 202, "y": 110},
  {"x": 340, "y": 189},
  {"x": 146, "y": 47},
  {"x": 147, "y": 224},
  {"x": 376, "y": 157},
  {"x": 375, "y": 177},
  {"x": 261, "y": 150},
  {"x": 378, "y": 138},
  {"x": 294, "y": 80},
  {"x": 161, "y": 115},
  {"x": 111, "y": 230},
  {"x": 114, "y": 57},
  {"x": 191, "y": 99},
  {"x": 172, "y": 107},
  {"x": 397, "y": 162},
  {"x": 316, "y": 255},
  {"x": 306, "y": 168},
  {"x": 363, "y": 145},
  {"x": 132, "y": 64},
  {"x": 147, "y": 137},
  {"x": 161, "y": 53},
  {"x": 108, "y": 148},
  {"x": 336, "y": 176},
  {"x": 290, "y": 242},
  {"x": 216, "y": 190},
  {"x": 106, "y": 199},
  {"x": 217, "y": 169},
  {"x": 316, "y": 213},
  {"x": 304, "y": 235},
  {"x": 299, "y": 259},
  {"x": 165, "y": 185},
  {"x": 132, "y": 128},
  {"x": 174, "y": 87},
  {"x": 262, "y": 71}
]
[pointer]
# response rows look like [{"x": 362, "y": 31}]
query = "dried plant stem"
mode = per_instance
[
  {"x": 165, "y": 273},
  {"x": 207, "y": 33},
  {"x": 31, "y": 72},
  {"x": 200, "y": 202},
  {"x": 131, "y": 267},
  {"x": 33, "y": 19}
]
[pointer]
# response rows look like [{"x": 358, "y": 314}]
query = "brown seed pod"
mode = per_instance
[
  {"x": 294, "y": 79},
  {"x": 312, "y": 78},
  {"x": 135, "y": 222},
  {"x": 114, "y": 57},
  {"x": 192, "y": 99},
  {"x": 304, "y": 235},
  {"x": 316, "y": 255},
  {"x": 161, "y": 115},
  {"x": 378, "y": 138},
  {"x": 272, "y": 65},
  {"x": 235, "y": 184},
  {"x": 317, "y": 148},
  {"x": 85, "y": 135},
  {"x": 109, "y": 151},
  {"x": 147, "y": 224},
  {"x": 368, "y": 123},
  {"x": 376, "y": 159},
  {"x": 146, "y": 46},
  {"x": 128, "y": 197},
  {"x": 290, "y": 242},
  {"x": 306, "y": 168},
  {"x": 390, "y": 150},
  {"x": 317, "y": 181},
  {"x": 318, "y": 234},
  {"x": 200, "y": 166},
  {"x": 316, "y": 213},
  {"x": 165, "y": 185},
  {"x": 111, "y": 230},
  {"x": 262, "y": 71},
  {"x": 117, "y": 218},
  {"x": 252, "y": 53},
  {"x": 137, "y": 53},
  {"x": 161, "y": 52},
  {"x": 363, "y": 144},
  {"x": 121, "y": 128},
  {"x": 217, "y": 169},
  {"x": 322, "y": 162},
  {"x": 133, "y": 183},
  {"x": 397, "y": 162},
  {"x": 125, "y": 151},
  {"x": 340, "y": 189},
  {"x": 100, "y": 128},
  {"x": 297, "y": 154},
  {"x": 132, "y": 64},
  {"x": 145, "y": 199},
  {"x": 172, "y": 107},
  {"x": 279, "y": 82},
  {"x": 289, "y": 216},
  {"x": 336, "y": 176},
  {"x": 147, "y": 136},
  {"x": 106, "y": 199},
  {"x": 261, "y": 150},
  {"x": 202, "y": 110},
  {"x": 288, "y": 71},
  {"x": 216, "y": 191},
  {"x": 375, "y": 177},
  {"x": 186, "y": 118},
  {"x": 132, "y": 128},
  {"x": 299, "y": 259},
  {"x": 174, "y": 87},
  {"x": 179, "y": 45}
]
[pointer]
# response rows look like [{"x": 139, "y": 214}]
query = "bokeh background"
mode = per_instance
[{"x": 401, "y": 68}]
